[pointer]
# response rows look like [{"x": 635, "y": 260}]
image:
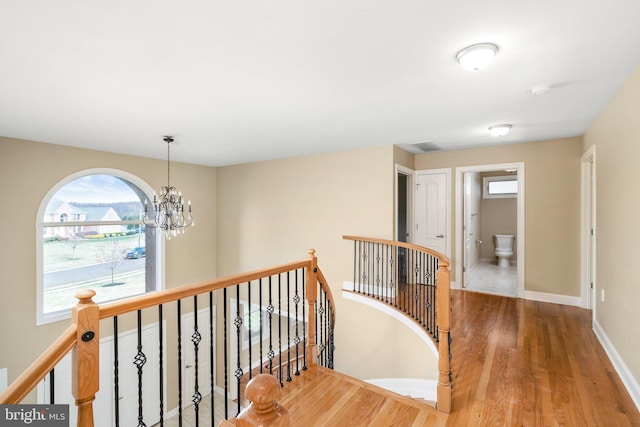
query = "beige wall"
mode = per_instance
[
  {"x": 552, "y": 206},
  {"x": 272, "y": 212},
  {"x": 30, "y": 170},
  {"x": 616, "y": 136}
]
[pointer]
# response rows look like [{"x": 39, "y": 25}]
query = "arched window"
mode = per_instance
[{"x": 92, "y": 236}]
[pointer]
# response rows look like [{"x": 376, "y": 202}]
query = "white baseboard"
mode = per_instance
[
  {"x": 621, "y": 368},
  {"x": 554, "y": 298},
  {"x": 375, "y": 290},
  {"x": 415, "y": 388}
]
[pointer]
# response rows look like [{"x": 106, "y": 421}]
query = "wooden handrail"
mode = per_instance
[
  {"x": 40, "y": 367},
  {"x": 443, "y": 259},
  {"x": 82, "y": 336},
  {"x": 162, "y": 297},
  {"x": 327, "y": 290},
  {"x": 443, "y": 283}
]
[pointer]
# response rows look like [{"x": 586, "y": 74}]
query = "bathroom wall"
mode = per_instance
[{"x": 497, "y": 216}]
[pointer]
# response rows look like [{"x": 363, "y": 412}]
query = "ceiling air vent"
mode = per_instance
[{"x": 426, "y": 146}]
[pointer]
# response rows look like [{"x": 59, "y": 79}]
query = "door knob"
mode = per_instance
[
  {"x": 440, "y": 236},
  {"x": 188, "y": 366}
]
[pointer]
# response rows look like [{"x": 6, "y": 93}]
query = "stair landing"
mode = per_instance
[{"x": 324, "y": 397}]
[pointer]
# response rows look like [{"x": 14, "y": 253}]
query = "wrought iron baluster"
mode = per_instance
[
  {"x": 237, "y": 321},
  {"x": 304, "y": 322},
  {"x": 195, "y": 339},
  {"x": 270, "y": 310},
  {"x": 140, "y": 361},
  {"x": 179, "y": 318},
  {"x": 226, "y": 355},
  {"x": 356, "y": 257},
  {"x": 288, "y": 329},
  {"x": 296, "y": 339},
  {"x": 52, "y": 387},
  {"x": 280, "y": 328},
  {"x": 116, "y": 377},
  {"x": 250, "y": 330},
  {"x": 261, "y": 322},
  {"x": 211, "y": 357},
  {"x": 320, "y": 319},
  {"x": 160, "y": 363}
]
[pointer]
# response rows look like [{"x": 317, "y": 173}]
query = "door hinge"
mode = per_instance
[
  {"x": 592, "y": 231},
  {"x": 591, "y": 285},
  {"x": 464, "y": 269}
]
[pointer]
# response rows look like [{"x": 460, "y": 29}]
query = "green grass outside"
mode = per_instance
[{"x": 59, "y": 255}]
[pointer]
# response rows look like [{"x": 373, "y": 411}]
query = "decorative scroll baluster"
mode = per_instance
[
  {"x": 270, "y": 310},
  {"x": 237, "y": 321},
  {"x": 195, "y": 339},
  {"x": 296, "y": 339},
  {"x": 140, "y": 361},
  {"x": 116, "y": 376},
  {"x": 304, "y": 324},
  {"x": 288, "y": 330}
]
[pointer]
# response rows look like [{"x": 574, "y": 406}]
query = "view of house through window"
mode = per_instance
[{"x": 93, "y": 237}]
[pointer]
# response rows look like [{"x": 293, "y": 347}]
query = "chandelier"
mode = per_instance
[{"x": 167, "y": 212}]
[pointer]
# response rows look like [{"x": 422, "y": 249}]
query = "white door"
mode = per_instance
[
  {"x": 468, "y": 230},
  {"x": 431, "y": 210},
  {"x": 128, "y": 376},
  {"x": 103, "y": 406},
  {"x": 189, "y": 356}
]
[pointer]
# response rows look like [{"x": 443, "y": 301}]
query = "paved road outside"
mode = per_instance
[{"x": 90, "y": 272}]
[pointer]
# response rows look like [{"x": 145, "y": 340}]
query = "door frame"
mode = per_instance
[
  {"x": 588, "y": 223},
  {"x": 447, "y": 215},
  {"x": 520, "y": 235},
  {"x": 410, "y": 174}
]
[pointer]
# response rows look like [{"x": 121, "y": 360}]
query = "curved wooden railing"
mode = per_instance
[
  {"x": 415, "y": 281},
  {"x": 83, "y": 335}
]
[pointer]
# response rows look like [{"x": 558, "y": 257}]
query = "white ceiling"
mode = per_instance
[{"x": 249, "y": 80}]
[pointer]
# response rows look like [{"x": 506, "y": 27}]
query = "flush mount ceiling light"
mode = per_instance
[
  {"x": 477, "y": 56},
  {"x": 499, "y": 130}
]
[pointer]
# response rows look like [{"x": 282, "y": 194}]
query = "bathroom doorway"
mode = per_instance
[{"x": 490, "y": 202}]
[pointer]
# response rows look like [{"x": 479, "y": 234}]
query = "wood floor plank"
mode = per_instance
[{"x": 527, "y": 363}]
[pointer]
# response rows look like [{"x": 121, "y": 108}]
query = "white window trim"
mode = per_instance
[
  {"x": 42, "y": 319},
  {"x": 485, "y": 187}
]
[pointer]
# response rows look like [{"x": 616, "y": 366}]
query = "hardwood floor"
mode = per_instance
[
  {"x": 526, "y": 363},
  {"x": 323, "y": 397}
]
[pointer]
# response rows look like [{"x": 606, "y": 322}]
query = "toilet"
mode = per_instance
[{"x": 504, "y": 249}]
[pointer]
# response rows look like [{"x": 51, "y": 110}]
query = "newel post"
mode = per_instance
[
  {"x": 262, "y": 391},
  {"x": 443, "y": 311},
  {"x": 85, "y": 356},
  {"x": 312, "y": 295}
]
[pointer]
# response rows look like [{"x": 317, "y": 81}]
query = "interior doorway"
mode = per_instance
[
  {"x": 404, "y": 204},
  {"x": 484, "y": 195},
  {"x": 588, "y": 282}
]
